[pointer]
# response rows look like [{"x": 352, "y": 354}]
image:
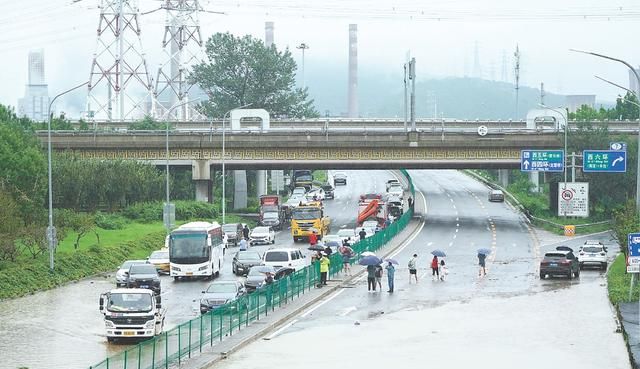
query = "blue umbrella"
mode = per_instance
[
  {"x": 333, "y": 244},
  {"x": 392, "y": 261},
  {"x": 484, "y": 251},
  {"x": 438, "y": 253},
  {"x": 370, "y": 260}
]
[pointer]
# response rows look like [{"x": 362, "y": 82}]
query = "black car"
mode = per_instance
[
  {"x": 219, "y": 293},
  {"x": 328, "y": 191},
  {"x": 244, "y": 260},
  {"x": 562, "y": 262},
  {"x": 144, "y": 276},
  {"x": 257, "y": 275},
  {"x": 233, "y": 232}
]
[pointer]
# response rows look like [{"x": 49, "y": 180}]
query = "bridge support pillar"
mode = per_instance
[
  {"x": 534, "y": 177},
  {"x": 240, "y": 189},
  {"x": 503, "y": 177},
  {"x": 201, "y": 174},
  {"x": 261, "y": 182}
]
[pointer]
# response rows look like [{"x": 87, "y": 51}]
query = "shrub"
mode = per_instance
[
  {"x": 185, "y": 210},
  {"x": 111, "y": 221}
]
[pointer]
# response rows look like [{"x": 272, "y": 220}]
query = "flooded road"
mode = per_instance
[{"x": 63, "y": 329}]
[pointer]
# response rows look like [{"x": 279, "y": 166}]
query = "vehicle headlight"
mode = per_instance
[
  {"x": 175, "y": 268},
  {"x": 109, "y": 324},
  {"x": 150, "y": 324},
  {"x": 203, "y": 268}
]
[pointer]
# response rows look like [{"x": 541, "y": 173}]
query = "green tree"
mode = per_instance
[
  {"x": 625, "y": 221},
  {"x": 148, "y": 124},
  {"x": 10, "y": 225},
  {"x": 242, "y": 70}
]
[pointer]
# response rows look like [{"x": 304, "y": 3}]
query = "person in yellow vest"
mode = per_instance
[{"x": 324, "y": 268}]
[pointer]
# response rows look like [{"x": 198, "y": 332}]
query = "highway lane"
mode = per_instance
[{"x": 64, "y": 327}]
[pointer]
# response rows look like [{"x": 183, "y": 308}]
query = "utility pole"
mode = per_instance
[
  {"x": 406, "y": 76},
  {"x": 303, "y": 47},
  {"x": 412, "y": 77},
  {"x": 542, "y": 93}
]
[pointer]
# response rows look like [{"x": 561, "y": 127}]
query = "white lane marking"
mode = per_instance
[
  {"x": 322, "y": 303},
  {"x": 455, "y": 235},
  {"x": 272, "y": 335},
  {"x": 457, "y": 224},
  {"x": 430, "y": 243},
  {"x": 457, "y": 230},
  {"x": 348, "y": 310},
  {"x": 457, "y": 219},
  {"x": 451, "y": 243}
]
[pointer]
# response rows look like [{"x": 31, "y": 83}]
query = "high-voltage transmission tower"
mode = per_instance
[
  {"x": 120, "y": 86},
  {"x": 182, "y": 46}
]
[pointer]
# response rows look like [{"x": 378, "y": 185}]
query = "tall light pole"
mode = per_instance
[
  {"x": 303, "y": 47},
  {"x": 635, "y": 73},
  {"x": 51, "y": 231},
  {"x": 224, "y": 197},
  {"x": 163, "y": 119},
  {"x": 564, "y": 159}
]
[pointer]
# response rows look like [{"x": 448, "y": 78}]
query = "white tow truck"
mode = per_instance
[{"x": 131, "y": 313}]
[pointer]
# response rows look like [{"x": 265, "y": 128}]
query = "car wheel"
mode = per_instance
[
  {"x": 542, "y": 275},
  {"x": 273, "y": 242},
  {"x": 175, "y": 279},
  {"x": 111, "y": 339},
  {"x": 578, "y": 273},
  {"x": 604, "y": 266},
  {"x": 570, "y": 274},
  {"x": 581, "y": 266}
]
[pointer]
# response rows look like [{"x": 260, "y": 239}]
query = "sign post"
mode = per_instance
[
  {"x": 573, "y": 199},
  {"x": 607, "y": 161},
  {"x": 542, "y": 161},
  {"x": 633, "y": 260}
]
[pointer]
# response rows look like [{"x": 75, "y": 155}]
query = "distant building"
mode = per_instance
[
  {"x": 633, "y": 82},
  {"x": 35, "y": 102},
  {"x": 574, "y": 102}
]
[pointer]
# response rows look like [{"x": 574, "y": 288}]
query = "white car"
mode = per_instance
[
  {"x": 593, "y": 253},
  {"x": 122, "y": 275},
  {"x": 295, "y": 201},
  {"x": 316, "y": 192},
  {"x": 392, "y": 182},
  {"x": 262, "y": 235},
  {"x": 285, "y": 257},
  {"x": 396, "y": 190},
  {"x": 348, "y": 234},
  {"x": 298, "y": 191},
  {"x": 370, "y": 226}
]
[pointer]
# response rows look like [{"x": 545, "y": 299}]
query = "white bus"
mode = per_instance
[{"x": 196, "y": 249}]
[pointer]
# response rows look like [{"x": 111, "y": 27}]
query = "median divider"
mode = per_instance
[{"x": 180, "y": 343}]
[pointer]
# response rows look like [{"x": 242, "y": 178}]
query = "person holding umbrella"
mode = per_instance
[
  {"x": 435, "y": 273},
  {"x": 391, "y": 271},
  {"x": 379, "y": 272},
  {"x": 482, "y": 256},
  {"x": 371, "y": 262}
]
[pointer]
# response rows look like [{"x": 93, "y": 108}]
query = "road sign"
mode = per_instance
[
  {"x": 633, "y": 261},
  {"x": 573, "y": 199},
  {"x": 618, "y": 146},
  {"x": 610, "y": 161},
  {"x": 542, "y": 160}
]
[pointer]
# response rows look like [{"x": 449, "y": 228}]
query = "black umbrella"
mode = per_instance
[{"x": 316, "y": 247}]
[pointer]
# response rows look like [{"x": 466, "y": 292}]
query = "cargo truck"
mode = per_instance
[
  {"x": 270, "y": 212},
  {"x": 131, "y": 313}
]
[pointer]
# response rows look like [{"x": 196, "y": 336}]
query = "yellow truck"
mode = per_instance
[{"x": 308, "y": 217}]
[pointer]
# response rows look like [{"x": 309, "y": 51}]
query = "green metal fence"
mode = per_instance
[{"x": 179, "y": 343}]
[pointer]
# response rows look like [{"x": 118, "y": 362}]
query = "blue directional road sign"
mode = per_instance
[
  {"x": 542, "y": 160},
  {"x": 634, "y": 244},
  {"x": 610, "y": 161}
]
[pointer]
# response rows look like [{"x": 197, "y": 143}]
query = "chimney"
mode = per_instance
[
  {"x": 268, "y": 34},
  {"x": 353, "y": 71}
]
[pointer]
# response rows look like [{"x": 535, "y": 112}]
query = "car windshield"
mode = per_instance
[
  {"x": 142, "y": 269},
  {"x": 304, "y": 177},
  {"x": 248, "y": 255},
  {"x": 270, "y": 215},
  {"x": 127, "y": 264},
  {"x": 339, "y": 175},
  {"x": 305, "y": 213},
  {"x": 592, "y": 249},
  {"x": 260, "y": 271},
  {"x": 222, "y": 288},
  {"x": 276, "y": 256},
  {"x": 159, "y": 255},
  {"x": 260, "y": 230},
  {"x": 230, "y": 228},
  {"x": 129, "y": 302},
  {"x": 299, "y": 191}
]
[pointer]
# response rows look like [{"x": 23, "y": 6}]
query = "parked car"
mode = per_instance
[
  {"x": 219, "y": 293},
  {"x": 392, "y": 182},
  {"x": 122, "y": 275},
  {"x": 244, "y": 260},
  {"x": 559, "y": 262},
  {"x": 496, "y": 195},
  {"x": 329, "y": 191},
  {"x": 262, "y": 235},
  {"x": 284, "y": 257},
  {"x": 144, "y": 276},
  {"x": 593, "y": 253},
  {"x": 160, "y": 259},
  {"x": 348, "y": 234},
  {"x": 233, "y": 232},
  {"x": 315, "y": 194},
  {"x": 339, "y": 177},
  {"x": 257, "y": 275},
  {"x": 295, "y": 200},
  {"x": 396, "y": 190},
  {"x": 298, "y": 191}
]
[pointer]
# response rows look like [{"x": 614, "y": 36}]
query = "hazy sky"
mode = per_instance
[{"x": 441, "y": 35}]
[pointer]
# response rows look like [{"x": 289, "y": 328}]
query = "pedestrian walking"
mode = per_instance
[
  {"x": 435, "y": 273},
  {"x": 313, "y": 238},
  {"x": 391, "y": 271},
  {"x": 371, "y": 278},
  {"x": 413, "y": 271},
  {"x": 362, "y": 234},
  {"x": 328, "y": 251},
  {"x": 443, "y": 270},
  {"x": 243, "y": 245},
  {"x": 324, "y": 269},
  {"x": 387, "y": 222},
  {"x": 483, "y": 265},
  {"x": 347, "y": 254},
  {"x": 245, "y": 232},
  {"x": 379, "y": 272}
]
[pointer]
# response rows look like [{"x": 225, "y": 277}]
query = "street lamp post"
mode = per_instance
[
  {"x": 224, "y": 197},
  {"x": 303, "y": 47},
  {"x": 635, "y": 73},
  {"x": 566, "y": 124},
  {"x": 51, "y": 231}
]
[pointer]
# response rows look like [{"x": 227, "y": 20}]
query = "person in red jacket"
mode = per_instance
[
  {"x": 313, "y": 238},
  {"x": 435, "y": 273}
]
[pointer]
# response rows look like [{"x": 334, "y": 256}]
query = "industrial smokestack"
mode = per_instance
[
  {"x": 353, "y": 71},
  {"x": 268, "y": 34}
]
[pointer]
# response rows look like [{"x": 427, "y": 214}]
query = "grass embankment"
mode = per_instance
[
  {"x": 619, "y": 282},
  {"x": 320, "y": 176}
]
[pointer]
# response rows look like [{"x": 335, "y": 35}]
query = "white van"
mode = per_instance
[{"x": 284, "y": 257}]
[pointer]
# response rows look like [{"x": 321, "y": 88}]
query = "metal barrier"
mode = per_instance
[{"x": 181, "y": 342}]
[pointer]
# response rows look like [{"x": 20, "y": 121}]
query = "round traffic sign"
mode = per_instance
[
  {"x": 567, "y": 195},
  {"x": 483, "y": 130}
]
